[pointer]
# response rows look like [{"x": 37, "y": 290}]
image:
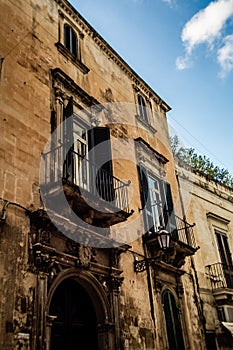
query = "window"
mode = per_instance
[
  {"x": 81, "y": 165},
  {"x": 157, "y": 203},
  {"x": 223, "y": 248},
  {"x": 225, "y": 256},
  {"x": 88, "y": 161},
  {"x": 70, "y": 40},
  {"x": 142, "y": 108},
  {"x": 71, "y": 46},
  {"x": 174, "y": 331}
]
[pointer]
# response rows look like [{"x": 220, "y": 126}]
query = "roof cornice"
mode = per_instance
[{"x": 89, "y": 30}]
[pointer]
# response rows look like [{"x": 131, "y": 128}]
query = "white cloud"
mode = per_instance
[
  {"x": 182, "y": 62},
  {"x": 225, "y": 56},
  {"x": 205, "y": 27},
  {"x": 169, "y": 2}
]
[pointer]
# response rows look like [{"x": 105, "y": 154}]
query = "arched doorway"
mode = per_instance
[
  {"x": 174, "y": 330},
  {"x": 75, "y": 326}
]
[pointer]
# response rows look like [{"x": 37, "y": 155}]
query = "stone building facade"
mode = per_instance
[
  {"x": 88, "y": 186},
  {"x": 209, "y": 204}
]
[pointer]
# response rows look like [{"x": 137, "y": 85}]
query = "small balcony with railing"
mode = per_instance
[
  {"x": 182, "y": 241},
  {"x": 94, "y": 195},
  {"x": 221, "y": 278}
]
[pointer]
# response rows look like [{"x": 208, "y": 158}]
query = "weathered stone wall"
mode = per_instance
[
  {"x": 209, "y": 205},
  {"x": 30, "y": 31}
]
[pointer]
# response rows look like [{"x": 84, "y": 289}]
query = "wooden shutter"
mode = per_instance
[
  {"x": 99, "y": 146},
  {"x": 67, "y": 36},
  {"x": 68, "y": 140},
  {"x": 223, "y": 247},
  {"x": 145, "y": 199},
  {"x": 74, "y": 43},
  {"x": 226, "y": 259},
  {"x": 174, "y": 331},
  {"x": 144, "y": 191},
  {"x": 168, "y": 209}
]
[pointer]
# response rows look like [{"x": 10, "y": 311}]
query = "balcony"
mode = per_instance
[
  {"x": 184, "y": 233},
  {"x": 182, "y": 242},
  {"x": 94, "y": 195},
  {"x": 221, "y": 279}
]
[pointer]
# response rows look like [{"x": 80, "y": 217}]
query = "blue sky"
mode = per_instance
[{"x": 184, "y": 50}]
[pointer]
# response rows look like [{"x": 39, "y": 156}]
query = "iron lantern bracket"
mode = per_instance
[{"x": 142, "y": 265}]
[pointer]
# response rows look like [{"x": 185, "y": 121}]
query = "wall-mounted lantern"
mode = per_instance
[{"x": 164, "y": 238}]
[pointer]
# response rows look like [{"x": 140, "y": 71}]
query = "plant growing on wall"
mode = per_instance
[{"x": 200, "y": 163}]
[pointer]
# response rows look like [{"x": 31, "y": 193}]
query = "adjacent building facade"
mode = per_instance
[
  {"x": 209, "y": 205},
  {"x": 98, "y": 247}
]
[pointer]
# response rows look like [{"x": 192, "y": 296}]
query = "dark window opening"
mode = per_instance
[
  {"x": 1, "y": 62},
  {"x": 210, "y": 341},
  {"x": 70, "y": 40},
  {"x": 173, "y": 325},
  {"x": 99, "y": 147}
]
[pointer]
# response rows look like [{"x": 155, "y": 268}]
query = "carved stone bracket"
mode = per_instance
[
  {"x": 72, "y": 247},
  {"x": 115, "y": 254},
  {"x": 114, "y": 283},
  {"x": 45, "y": 261},
  {"x": 158, "y": 286},
  {"x": 180, "y": 290}
]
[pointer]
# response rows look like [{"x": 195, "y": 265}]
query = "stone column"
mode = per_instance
[
  {"x": 59, "y": 104},
  {"x": 39, "y": 335},
  {"x": 49, "y": 323},
  {"x": 115, "y": 283}
]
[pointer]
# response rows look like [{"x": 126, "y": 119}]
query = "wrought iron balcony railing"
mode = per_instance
[
  {"x": 220, "y": 275},
  {"x": 77, "y": 170},
  {"x": 172, "y": 251},
  {"x": 180, "y": 230},
  {"x": 184, "y": 232}
]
